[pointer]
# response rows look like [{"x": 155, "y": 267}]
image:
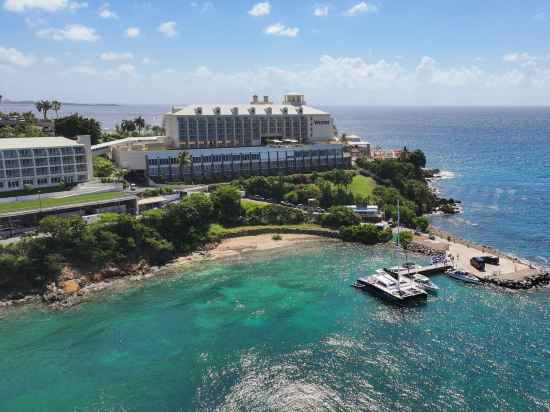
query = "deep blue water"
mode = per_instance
[
  {"x": 280, "y": 331},
  {"x": 500, "y": 158}
]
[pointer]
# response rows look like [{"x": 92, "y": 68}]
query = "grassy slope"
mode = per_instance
[
  {"x": 36, "y": 204},
  {"x": 249, "y": 204},
  {"x": 363, "y": 186}
]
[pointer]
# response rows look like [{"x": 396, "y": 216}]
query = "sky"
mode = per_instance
[{"x": 346, "y": 52}]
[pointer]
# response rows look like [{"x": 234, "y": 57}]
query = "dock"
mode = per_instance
[
  {"x": 437, "y": 268},
  {"x": 511, "y": 272}
]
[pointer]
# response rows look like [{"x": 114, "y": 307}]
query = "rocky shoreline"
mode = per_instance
[{"x": 74, "y": 287}]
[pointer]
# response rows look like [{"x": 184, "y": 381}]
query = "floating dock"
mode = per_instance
[{"x": 422, "y": 270}]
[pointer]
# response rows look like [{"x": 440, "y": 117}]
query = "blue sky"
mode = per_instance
[{"x": 337, "y": 52}]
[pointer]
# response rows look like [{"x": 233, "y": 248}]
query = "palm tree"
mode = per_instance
[
  {"x": 140, "y": 123},
  {"x": 56, "y": 107},
  {"x": 127, "y": 126},
  {"x": 39, "y": 106},
  {"x": 184, "y": 160},
  {"x": 44, "y": 106}
]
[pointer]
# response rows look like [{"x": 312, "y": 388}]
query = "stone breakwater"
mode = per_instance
[{"x": 513, "y": 272}]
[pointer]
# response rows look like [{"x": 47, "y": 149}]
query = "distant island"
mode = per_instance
[{"x": 8, "y": 101}]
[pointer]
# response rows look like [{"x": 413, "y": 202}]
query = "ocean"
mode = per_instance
[
  {"x": 283, "y": 330},
  {"x": 280, "y": 331}
]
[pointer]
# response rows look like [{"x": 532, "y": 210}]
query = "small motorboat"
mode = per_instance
[
  {"x": 425, "y": 283},
  {"x": 463, "y": 276}
]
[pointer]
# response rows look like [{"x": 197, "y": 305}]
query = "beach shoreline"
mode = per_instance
[{"x": 68, "y": 292}]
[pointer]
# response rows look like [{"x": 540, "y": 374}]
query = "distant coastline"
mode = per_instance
[{"x": 6, "y": 101}]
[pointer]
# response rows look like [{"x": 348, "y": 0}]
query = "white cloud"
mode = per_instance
[
  {"x": 113, "y": 56},
  {"x": 44, "y": 5},
  {"x": 50, "y": 60},
  {"x": 260, "y": 9},
  {"x": 105, "y": 12},
  {"x": 146, "y": 60},
  {"x": 204, "y": 6},
  {"x": 321, "y": 11},
  {"x": 360, "y": 8},
  {"x": 168, "y": 28},
  {"x": 72, "y": 32},
  {"x": 7, "y": 69},
  {"x": 14, "y": 57},
  {"x": 121, "y": 71},
  {"x": 132, "y": 32},
  {"x": 517, "y": 57},
  {"x": 279, "y": 29}
]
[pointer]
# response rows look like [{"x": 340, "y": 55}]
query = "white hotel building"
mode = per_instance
[
  {"x": 213, "y": 126},
  {"x": 43, "y": 161},
  {"x": 226, "y": 141}
]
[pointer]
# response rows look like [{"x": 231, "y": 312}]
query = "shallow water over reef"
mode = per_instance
[{"x": 280, "y": 330}]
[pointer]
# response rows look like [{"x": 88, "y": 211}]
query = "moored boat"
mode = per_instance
[
  {"x": 393, "y": 290},
  {"x": 425, "y": 283},
  {"x": 463, "y": 276}
]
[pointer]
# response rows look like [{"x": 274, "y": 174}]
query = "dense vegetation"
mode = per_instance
[{"x": 119, "y": 239}]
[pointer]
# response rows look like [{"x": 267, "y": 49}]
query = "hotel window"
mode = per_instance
[
  {"x": 68, "y": 160},
  {"x": 25, "y": 153},
  {"x": 40, "y": 152},
  {"x": 79, "y": 149},
  {"x": 68, "y": 169},
  {"x": 80, "y": 159},
  {"x": 82, "y": 178},
  {"x": 28, "y": 182},
  {"x": 28, "y": 172},
  {"x": 10, "y": 154},
  {"x": 42, "y": 171},
  {"x": 66, "y": 150},
  {"x": 12, "y": 164},
  {"x": 42, "y": 181},
  {"x": 55, "y": 160},
  {"x": 53, "y": 151},
  {"x": 56, "y": 179},
  {"x": 13, "y": 183},
  {"x": 55, "y": 170},
  {"x": 27, "y": 163},
  {"x": 41, "y": 162},
  {"x": 13, "y": 173}
]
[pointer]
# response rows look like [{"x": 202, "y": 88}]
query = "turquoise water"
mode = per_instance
[{"x": 280, "y": 330}]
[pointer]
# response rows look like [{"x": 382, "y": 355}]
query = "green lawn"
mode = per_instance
[
  {"x": 249, "y": 204},
  {"x": 36, "y": 204},
  {"x": 218, "y": 230},
  {"x": 362, "y": 186}
]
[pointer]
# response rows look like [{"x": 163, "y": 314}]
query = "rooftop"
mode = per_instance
[
  {"x": 35, "y": 142},
  {"x": 226, "y": 110},
  {"x": 140, "y": 139}
]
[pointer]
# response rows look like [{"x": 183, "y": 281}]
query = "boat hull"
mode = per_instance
[{"x": 420, "y": 297}]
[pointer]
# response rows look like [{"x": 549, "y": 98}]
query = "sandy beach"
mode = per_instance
[{"x": 236, "y": 246}]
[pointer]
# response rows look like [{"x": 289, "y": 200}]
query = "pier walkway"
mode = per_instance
[{"x": 424, "y": 270}]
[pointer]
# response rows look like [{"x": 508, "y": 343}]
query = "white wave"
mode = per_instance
[{"x": 445, "y": 174}]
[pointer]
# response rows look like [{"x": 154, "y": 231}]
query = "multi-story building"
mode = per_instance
[
  {"x": 254, "y": 124},
  {"x": 44, "y": 161},
  {"x": 226, "y": 163}
]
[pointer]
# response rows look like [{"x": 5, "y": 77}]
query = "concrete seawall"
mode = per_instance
[{"x": 512, "y": 272}]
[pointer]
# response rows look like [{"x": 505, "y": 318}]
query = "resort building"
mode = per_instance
[
  {"x": 254, "y": 124},
  {"x": 225, "y": 142},
  {"x": 44, "y": 161},
  {"x": 213, "y": 164}
]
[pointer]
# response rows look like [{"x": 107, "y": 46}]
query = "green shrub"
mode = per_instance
[{"x": 339, "y": 216}]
